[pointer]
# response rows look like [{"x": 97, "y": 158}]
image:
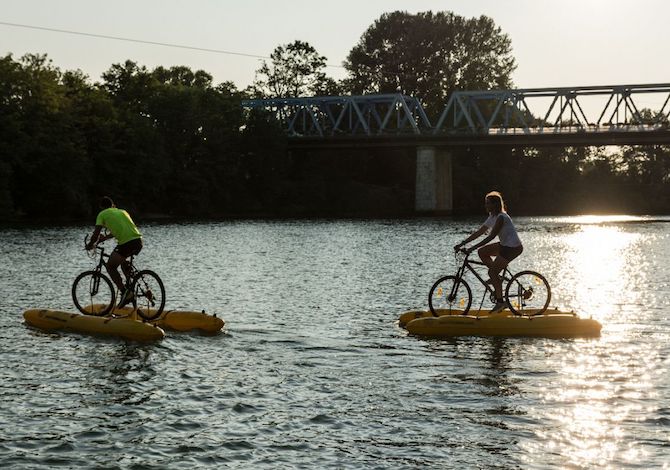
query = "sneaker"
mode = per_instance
[
  {"x": 126, "y": 297},
  {"x": 498, "y": 307}
]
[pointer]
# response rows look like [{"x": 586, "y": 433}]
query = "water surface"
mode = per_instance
[{"x": 312, "y": 370}]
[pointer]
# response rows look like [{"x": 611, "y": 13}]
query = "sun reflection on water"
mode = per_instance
[
  {"x": 598, "y": 389},
  {"x": 600, "y": 258},
  {"x": 604, "y": 219},
  {"x": 591, "y": 401}
]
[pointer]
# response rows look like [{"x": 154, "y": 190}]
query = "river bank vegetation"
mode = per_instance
[{"x": 171, "y": 142}]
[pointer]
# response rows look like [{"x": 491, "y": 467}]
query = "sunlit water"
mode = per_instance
[{"x": 312, "y": 370}]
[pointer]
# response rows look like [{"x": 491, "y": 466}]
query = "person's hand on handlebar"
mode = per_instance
[
  {"x": 460, "y": 248},
  {"x": 89, "y": 244},
  {"x": 96, "y": 240}
]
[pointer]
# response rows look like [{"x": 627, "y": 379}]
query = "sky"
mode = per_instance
[{"x": 555, "y": 43}]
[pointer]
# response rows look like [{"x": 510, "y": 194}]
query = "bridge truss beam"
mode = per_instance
[
  {"x": 539, "y": 112},
  {"x": 346, "y": 115},
  {"x": 542, "y": 110}
]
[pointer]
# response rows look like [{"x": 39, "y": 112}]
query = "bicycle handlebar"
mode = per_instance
[
  {"x": 97, "y": 246},
  {"x": 461, "y": 251}
]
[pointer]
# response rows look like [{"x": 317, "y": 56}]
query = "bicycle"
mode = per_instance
[
  {"x": 525, "y": 293},
  {"x": 98, "y": 290}
]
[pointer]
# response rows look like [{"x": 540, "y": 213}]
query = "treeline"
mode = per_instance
[
  {"x": 170, "y": 142},
  {"x": 566, "y": 180},
  {"x": 165, "y": 141}
]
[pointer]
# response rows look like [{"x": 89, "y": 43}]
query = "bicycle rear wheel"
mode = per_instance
[
  {"x": 451, "y": 295},
  {"x": 149, "y": 294},
  {"x": 528, "y": 293},
  {"x": 93, "y": 293}
]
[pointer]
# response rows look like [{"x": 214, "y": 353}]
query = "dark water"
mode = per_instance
[{"x": 313, "y": 372}]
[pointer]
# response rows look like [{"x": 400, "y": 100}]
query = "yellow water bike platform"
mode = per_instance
[
  {"x": 124, "y": 322},
  {"x": 552, "y": 323}
]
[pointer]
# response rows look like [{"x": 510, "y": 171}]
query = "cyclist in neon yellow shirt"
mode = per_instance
[{"x": 129, "y": 243}]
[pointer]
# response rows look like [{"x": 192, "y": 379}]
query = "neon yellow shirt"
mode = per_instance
[{"x": 119, "y": 223}]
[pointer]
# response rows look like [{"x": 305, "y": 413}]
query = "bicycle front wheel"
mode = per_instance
[
  {"x": 149, "y": 294},
  {"x": 528, "y": 293},
  {"x": 451, "y": 295},
  {"x": 93, "y": 293}
]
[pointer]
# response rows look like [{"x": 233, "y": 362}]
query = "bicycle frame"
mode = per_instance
[
  {"x": 468, "y": 264},
  {"x": 101, "y": 263},
  {"x": 130, "y": 260}
]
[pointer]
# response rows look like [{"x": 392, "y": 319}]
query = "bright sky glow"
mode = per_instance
[{"x": 566, "y": 43}]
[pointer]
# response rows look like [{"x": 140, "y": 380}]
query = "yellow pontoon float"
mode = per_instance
[
  {"x": 551, "y": 323},
  {"x": 123, "y": 327},
  {"x": 176, "y": 320}
]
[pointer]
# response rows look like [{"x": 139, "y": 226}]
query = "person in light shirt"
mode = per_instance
[{"x": 496, "y": 256}]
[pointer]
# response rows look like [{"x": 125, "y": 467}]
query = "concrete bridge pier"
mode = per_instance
[{"x": 434, "y": 186}]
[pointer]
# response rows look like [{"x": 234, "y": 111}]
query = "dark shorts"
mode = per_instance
[
  {"x": 509, "y": 252},
  {"x": 130, "y": 248}
]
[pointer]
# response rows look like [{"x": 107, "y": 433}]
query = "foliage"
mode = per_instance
[
  {"x": 165, "y": 141},
  {"x": 429, "y": 55},
  {"x": 35, "y": 151},
  {"x": 296, "y": 70}
]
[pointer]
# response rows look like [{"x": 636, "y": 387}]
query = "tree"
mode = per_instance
[
  {"x": 429, "y": 55},
  {"x": 42, "y": 155},
  {"x": 296, "y": 70},
  {"x": 182, "y": 75},
  {"x": 12, "y": 138}
]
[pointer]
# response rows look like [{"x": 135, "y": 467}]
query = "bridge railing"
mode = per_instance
[{"x": 592, "y": 109}]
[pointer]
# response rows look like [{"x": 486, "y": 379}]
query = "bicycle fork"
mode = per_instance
[
  {"x": 456, "y": 285},
  {"x": 95, "y": 285}
]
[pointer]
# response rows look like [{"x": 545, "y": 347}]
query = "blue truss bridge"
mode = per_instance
[{"x": 587, "y": 115}]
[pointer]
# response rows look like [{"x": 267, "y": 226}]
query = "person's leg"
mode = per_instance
[
  {"x": 494, "y": 271},
  {"x": 487, "y": 252},
  {"x": 125, "y": 267},
  {"x": 127, "y": 250},
  {"x": 115, "y": 259}
]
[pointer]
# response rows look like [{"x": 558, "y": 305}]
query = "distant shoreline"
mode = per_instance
[{"x": 168, "y": 219}]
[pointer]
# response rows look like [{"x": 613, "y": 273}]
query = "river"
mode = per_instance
[{"x": 312, "y": 371}]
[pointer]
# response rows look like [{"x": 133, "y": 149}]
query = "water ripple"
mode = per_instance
[{"x": 312, "y": 371}]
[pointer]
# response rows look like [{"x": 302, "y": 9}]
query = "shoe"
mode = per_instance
[
  {"x": 126, "y": 297},
  {"x": 498, "y": 307}
]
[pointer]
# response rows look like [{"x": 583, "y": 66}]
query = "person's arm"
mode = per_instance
[
  {"x": 94, "y": 238},
  {"x": 478, "y": 233},
  {"x": 105, "y": 236},
  {"x": 494, "y": 232}
]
